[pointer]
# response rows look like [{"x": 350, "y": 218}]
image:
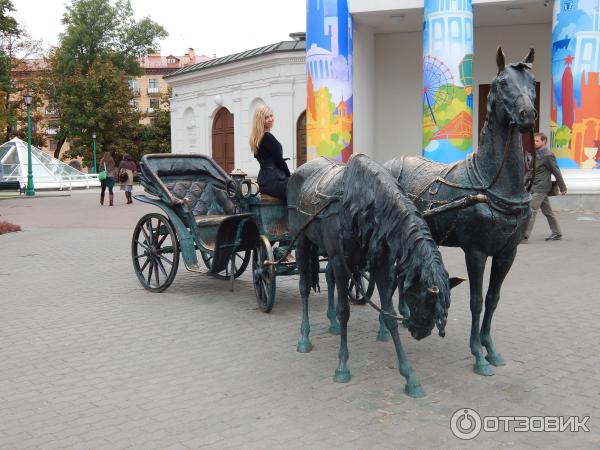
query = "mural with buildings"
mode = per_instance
[
  {"x": 447, "y": 79},
  {"x": 329, "y": 79},
  {"x": 575, "y": 108}
]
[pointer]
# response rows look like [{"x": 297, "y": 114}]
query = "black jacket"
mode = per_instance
[{"x": 273, "y": 169}]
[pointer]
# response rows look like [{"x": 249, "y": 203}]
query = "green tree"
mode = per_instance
[
  {"x": 8, "y": 24},
  {"x": 22, "y": 71},
  {"x": 155, "y": 137},
  {"x": 99, "y": 101},
  {"x": 98, "y": 53}
]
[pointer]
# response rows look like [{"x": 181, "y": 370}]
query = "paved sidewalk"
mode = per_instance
[{"x": 90, "y": 360}]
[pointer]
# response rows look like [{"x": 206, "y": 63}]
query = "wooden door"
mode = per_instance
[
  {"x": 301, "y": 140},
  {"x": 222, "y": 140},
  {"x": 484, "y": 90}
]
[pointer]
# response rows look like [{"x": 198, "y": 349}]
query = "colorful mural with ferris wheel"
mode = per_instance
[
  {"x": 575, "y": 107},
  {"x": 329, "y": 79},
  {"x": 447, "y": 80}
]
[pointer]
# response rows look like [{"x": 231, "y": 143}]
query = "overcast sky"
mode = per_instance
[{"x": 220, "y": 27}]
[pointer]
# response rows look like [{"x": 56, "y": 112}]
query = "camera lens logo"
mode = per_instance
[{"x": 465, "y": 423}]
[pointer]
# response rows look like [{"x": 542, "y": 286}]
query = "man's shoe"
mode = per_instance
[{"x": 554, "y": 237}]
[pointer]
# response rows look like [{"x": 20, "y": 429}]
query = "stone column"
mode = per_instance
[
  {"x": 447, "y": 79},
  {"x": 329, "y": 79}
]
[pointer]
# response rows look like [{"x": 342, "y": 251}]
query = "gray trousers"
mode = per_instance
[{"x": 541, "y": 200}]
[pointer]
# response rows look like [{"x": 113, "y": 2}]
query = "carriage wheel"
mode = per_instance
[
  {"x": 242, "y": 259},
  {"x": 263, "y": 275},
  {"x": 367, "y": 285},
  {"x": 155, "y": 252}
]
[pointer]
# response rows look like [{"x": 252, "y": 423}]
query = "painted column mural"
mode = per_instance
[
  {"x": 447, "y": 80},
  {"x": 575, "y": 107},
  {"x": 329, "y": 79}
]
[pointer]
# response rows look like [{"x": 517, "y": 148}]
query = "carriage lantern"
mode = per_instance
[{"x": 239, "y": 187}]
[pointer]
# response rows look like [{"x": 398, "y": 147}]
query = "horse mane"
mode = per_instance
[{"x": 377, "y": 214}]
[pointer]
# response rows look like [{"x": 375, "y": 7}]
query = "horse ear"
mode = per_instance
[
  {"x": 530, "y": 56},
  {"x": 500, "y": 59},
  {"x": 455, "y": 281}
]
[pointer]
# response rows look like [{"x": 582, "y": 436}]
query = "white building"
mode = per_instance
[
  {"x": 213, "y": 102},
  {"x": 387, "y": 74}
]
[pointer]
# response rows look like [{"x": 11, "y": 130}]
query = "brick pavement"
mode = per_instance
[{"x": 90, "y": 360}]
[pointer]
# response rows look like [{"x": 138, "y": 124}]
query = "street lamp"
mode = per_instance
[
  {"x": 30, "y": 190},
  {"x": 94, "y": 143}
]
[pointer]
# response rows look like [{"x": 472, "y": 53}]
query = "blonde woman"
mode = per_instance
[{"x": 274, "y": 173}]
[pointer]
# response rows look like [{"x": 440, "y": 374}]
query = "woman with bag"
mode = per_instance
[
  {"x": 126, "y": 170},
  {"x": 107, "y": 179},
  {"x": 274, "y": 173}
]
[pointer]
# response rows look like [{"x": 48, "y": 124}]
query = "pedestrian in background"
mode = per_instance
[
  {"x": 545, "y": 167},
  {"x": 107, "y": 164},
  {"x": 127, "y": 169}
]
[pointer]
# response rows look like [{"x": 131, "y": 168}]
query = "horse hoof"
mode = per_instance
[
  {"x": 483, "y": 369},
  {"x": 495, "y": 359},
  {"x": 384, "y": 336},
  {"x": 335, "y": 329},
  {"x": 304, "y": 346},
  {"x": 341, "y": 376},
  {"x": 414, "y": 391}
]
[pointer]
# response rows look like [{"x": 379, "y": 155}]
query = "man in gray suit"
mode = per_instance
[{"x": 545, "y": 166}]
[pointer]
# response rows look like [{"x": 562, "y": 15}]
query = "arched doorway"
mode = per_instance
[
  {"x": 222, "y": 140},
  {"x": 301, "y": 140}
]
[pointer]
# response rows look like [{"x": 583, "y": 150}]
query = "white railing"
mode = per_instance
[
  {"x": 153, "y": 90},
  {"x": 48, "y": 182}
]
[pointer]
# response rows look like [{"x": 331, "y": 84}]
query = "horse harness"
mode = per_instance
[{"x": 485, "y": 193}]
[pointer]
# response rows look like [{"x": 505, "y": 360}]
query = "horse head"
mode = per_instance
[
  {"x": 514, "y": 89},
  {"x": 428, "y": 304}
]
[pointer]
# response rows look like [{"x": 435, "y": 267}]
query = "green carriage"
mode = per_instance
[{"x": 211, "y": 216}]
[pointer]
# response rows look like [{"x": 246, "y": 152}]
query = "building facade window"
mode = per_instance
[
  {"x": 154, "y": 105},
  {"x": 153, "y": 86},
  {"x": 134, "y": 86},
  {"x": 134, "y": 104}
]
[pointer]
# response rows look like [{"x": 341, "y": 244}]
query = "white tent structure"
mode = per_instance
[{"x": 48, "y": 172}]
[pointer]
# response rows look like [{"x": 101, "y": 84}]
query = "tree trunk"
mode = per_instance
[{"x": 59, "y": 145}]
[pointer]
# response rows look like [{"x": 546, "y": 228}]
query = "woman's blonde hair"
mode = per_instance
[
  {"x": 107, "y": 158},
  {"x": 258, "y": 126}
]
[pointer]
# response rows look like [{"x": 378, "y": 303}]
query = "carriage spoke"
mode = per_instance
[
  {"x": 156, "y": 273},
  {"x": 143, "y": 228},
  {"x": 165, "y": 259},
  {"x": 150, "y": 271},
  {"x": 144, "y": 246},
  {"x": 150, "y": 230},
  {"x": 145, "y": 264},
  {"x": 162, "y": 239},
  {"x": 162, "y": 268}
]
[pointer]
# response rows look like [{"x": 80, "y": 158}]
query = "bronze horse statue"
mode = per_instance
[
  {"x": 492, "y": 228},
  {"x": 359, "y": 216}
]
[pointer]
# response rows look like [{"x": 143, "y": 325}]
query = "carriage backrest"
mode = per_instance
[{"x": 173, "y": 177}]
